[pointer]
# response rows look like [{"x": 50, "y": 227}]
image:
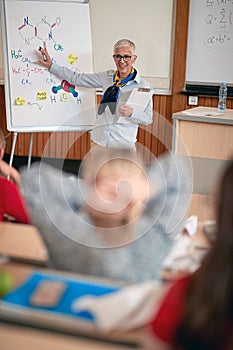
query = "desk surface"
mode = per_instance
[
  {"x": 206, "y": 115},
  {"x": 63, "y": 334},
  {"x": 22, "y": 242},
  {"x": 22, "y": 338},
  {"x": 17, "y": 337}
]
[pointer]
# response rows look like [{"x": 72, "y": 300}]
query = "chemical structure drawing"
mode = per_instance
[
  {"x": 33, "y": 35},
  {"x": 39, "y": 32}
]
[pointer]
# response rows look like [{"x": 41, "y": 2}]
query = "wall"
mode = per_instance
[{"x": 164, "y": 107}]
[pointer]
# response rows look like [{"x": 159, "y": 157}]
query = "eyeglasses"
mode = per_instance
[{"x": 118, "y": 58}]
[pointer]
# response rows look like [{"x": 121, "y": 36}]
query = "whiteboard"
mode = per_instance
[
  {"x": 149, "y": 24},
  {"x": 210, "y": 42},
  {"x": 31, "y": 104}
]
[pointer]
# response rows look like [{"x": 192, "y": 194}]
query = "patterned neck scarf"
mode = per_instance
[{"x": 110, "y": 96}]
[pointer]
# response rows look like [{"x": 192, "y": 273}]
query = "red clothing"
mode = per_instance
[
  {"x": 12, "y": 203},
  {"x": 169, "y": 315}
]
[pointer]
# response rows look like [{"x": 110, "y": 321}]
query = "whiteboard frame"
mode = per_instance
[
  {"x": 30, "y": 129},
  {"x": 196, "y": 47}
]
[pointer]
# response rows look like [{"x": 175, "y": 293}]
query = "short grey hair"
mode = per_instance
[{"x": 125, "y": 43}]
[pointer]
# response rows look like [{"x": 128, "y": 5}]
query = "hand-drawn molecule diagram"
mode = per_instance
[
  {"x": 33, "y": 35},
  {"x": 42, "y": 31},
  {"x": 66, "y": 86}
]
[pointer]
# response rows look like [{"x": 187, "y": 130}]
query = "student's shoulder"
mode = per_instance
[
  {"x": 4, "y": 182},
  {"x": 7, "y": 187}
]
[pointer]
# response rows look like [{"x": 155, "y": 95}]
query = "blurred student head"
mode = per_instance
[
  {"x": 209, "y": 306},
  {"x": 205, "y": 305},
  {"x": 118, "y": 186},
  {"x": 225, "y": 210}
]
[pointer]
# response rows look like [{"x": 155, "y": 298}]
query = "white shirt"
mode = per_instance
[{"x": 113, "y": 131}]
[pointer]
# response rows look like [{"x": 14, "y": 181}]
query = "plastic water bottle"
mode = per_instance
[{"x": 222, "y": 97}]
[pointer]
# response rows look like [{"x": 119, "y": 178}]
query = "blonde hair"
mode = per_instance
[
  {"x": 125, "y": 43},
  {"x": 119, "y": 185},
  {"x": 110, "y": 160}
]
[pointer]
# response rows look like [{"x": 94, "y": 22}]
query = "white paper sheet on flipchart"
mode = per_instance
[{"x": 140, "y": 97}]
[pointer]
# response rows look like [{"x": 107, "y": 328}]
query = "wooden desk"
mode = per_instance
[
  {"x": 18, "y": 337},
  {"x": 207, "y": 138},
  {"x": 23, "y": 338},
  {"x": 61, "y": 334},
  {"x": 22, "y": 242}
]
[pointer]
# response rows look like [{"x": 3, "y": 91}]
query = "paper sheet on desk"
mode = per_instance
[
  {"x": 183, "y": 256},
  {"x": 129, "y": 308},
  {"x": 191, "y": 224}
]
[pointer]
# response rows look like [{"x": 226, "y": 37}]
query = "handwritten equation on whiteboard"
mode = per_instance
[{"x": 219, "y": 24}]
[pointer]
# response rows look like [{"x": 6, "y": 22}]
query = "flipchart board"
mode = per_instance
[{"x": 37, "y": 101}]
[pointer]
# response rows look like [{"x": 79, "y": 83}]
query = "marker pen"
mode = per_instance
[{"x": 43, "y": 55}]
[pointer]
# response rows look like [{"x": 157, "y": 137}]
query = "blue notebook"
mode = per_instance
[{"x": 75, "y": 288}]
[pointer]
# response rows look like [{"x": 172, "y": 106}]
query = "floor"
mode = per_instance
[{"x": 68, "y": 165}]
